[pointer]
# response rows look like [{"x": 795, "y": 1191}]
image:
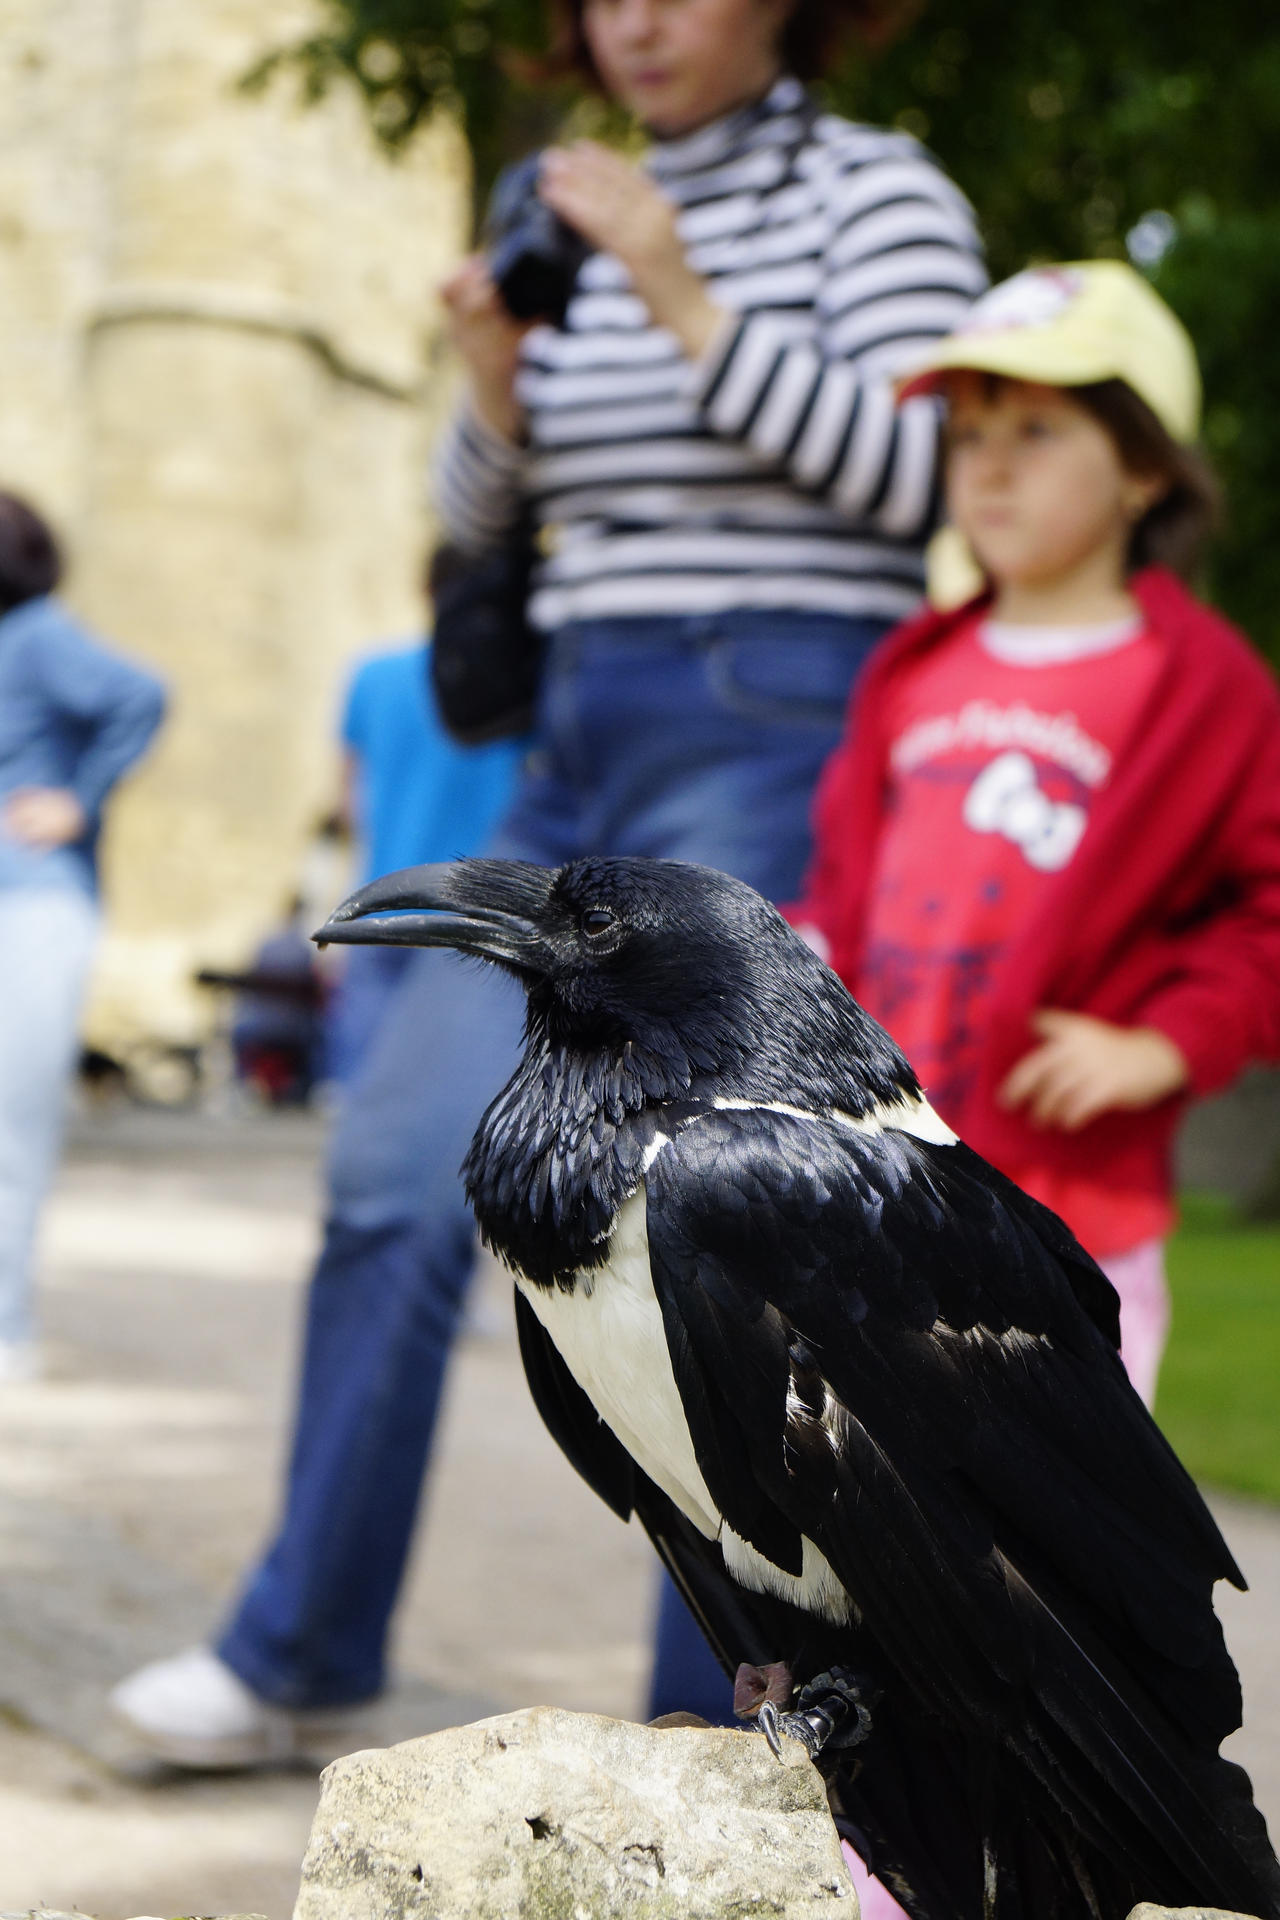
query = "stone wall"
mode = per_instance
[{"x": 217, "y": 336}]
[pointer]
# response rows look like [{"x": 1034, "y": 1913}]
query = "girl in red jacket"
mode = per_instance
[{"x": 1048, "y": 851}]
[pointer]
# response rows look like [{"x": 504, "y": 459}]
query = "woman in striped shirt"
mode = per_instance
[{"x": 731, "y": 509}]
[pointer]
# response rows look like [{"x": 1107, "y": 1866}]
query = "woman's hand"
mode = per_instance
[
  {"x": 489, "y": 341},
  {"x": 44, "y": 817},
  {"x": 618, "y": 208},
  {"x": 1084, "y": 1067}
]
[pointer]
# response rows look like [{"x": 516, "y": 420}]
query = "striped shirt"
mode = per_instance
[{"x": 775, "y": 471}]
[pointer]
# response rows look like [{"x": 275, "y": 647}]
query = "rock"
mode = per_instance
[
  {"x": 566, "y": 1816},
  {"x": 1147, "y": 1912}
]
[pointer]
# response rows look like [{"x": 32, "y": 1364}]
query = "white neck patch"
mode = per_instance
[{"x": 916, "y": 1117}]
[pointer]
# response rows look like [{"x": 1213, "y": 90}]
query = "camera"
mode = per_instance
[{"x": 533, "y": 256}]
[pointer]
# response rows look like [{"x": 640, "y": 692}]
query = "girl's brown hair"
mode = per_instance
[
  {"x": 814, "y": 37},
  {"x": 1173, "y": 533}
]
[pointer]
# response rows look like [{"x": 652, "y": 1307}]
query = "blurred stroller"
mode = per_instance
[{"x": 277, "y": 1024}]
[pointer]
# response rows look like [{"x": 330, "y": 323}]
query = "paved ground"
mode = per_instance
[{"x": 137, "y": 1479}]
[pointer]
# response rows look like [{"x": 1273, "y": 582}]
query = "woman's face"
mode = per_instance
[{"x": 676, "y": 64}]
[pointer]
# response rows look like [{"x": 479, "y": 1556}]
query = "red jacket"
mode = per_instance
[{"x": 1169, "y": 915}]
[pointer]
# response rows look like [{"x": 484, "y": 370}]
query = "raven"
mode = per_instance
[{"x": 863, "y": 1393}]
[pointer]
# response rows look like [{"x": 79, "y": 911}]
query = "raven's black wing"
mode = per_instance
[{"x": 916, "y": 1367}]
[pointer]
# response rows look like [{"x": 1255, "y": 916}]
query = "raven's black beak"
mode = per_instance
[{"x": 495, "y": 909}]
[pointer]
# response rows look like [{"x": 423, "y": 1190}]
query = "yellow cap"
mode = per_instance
[{"x": 1068, "y": 326}]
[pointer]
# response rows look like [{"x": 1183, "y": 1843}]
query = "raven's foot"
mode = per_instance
[
  {"x": 753, "y": 1686},
  {"x": 833, "y": 1710}
]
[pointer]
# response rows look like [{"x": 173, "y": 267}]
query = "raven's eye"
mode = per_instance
[{"x": 596, "y": 920}]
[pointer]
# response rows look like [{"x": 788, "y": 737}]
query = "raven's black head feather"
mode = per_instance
[{"x": 690, "y": 973}]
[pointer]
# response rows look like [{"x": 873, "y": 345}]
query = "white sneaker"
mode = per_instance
[{"x": 194, "y": 1711}]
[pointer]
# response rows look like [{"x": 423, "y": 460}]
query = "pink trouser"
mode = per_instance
[{"x": 1138, "y": 1277}]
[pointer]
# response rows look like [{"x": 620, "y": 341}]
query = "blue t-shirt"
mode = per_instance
[
  {"x": 420, "y": 796},
  {"x": 72, "y": 715}
]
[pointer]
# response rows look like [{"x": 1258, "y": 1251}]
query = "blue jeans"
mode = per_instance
[
  {"x": 693, "y": 739},
  {"x": 47, "y": 937},
  {"x": 364, "y": 990}
]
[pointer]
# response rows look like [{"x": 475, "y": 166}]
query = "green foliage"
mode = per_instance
[
  {"x": 1066, "y": 121},
  {"x": 409, "y": 57},
  {"x": 1218, "y": 1401}
]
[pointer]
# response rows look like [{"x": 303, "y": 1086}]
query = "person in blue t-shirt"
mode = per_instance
[
  {"x": 73, "y": 718},
  {"x": 413, "y": 795}
]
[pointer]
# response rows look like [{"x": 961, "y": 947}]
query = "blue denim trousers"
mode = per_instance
[
  {"x": 353, "y": 1012},
  {"x": 691, "y": 739},
  {"x": 47, "y": 937}
]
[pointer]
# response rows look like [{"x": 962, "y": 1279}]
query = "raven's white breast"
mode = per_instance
[{"x": 610, "y": 1335}]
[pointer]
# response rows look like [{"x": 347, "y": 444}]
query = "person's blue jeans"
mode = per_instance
[
  {"x": 692, "y": 739},
  {"x": 369, "y": 978},
  {"x": 47, "y": 937}
]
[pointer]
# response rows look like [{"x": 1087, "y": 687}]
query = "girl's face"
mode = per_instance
[
  {"x": 1036, "y": 483},
  {"x": 677, "y": 64}
]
